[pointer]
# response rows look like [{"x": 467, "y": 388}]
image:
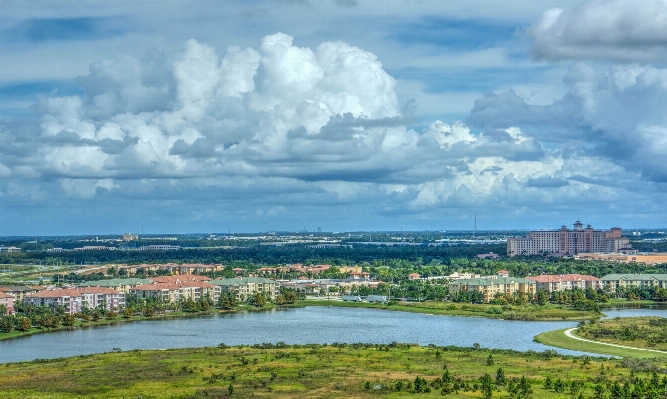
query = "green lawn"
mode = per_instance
[{"x": 308, "y": 371}]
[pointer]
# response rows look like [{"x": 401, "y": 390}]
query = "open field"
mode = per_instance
[
  {"x": 308, "y": 371},
  {"x": 558, "y": 339},
  {"x": 526, "y": 312}
]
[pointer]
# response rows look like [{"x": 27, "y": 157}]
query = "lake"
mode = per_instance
[{"x": 315, "y": 324}]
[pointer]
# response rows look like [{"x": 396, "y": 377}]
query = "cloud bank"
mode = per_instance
[{"x": 278, "y": 133}]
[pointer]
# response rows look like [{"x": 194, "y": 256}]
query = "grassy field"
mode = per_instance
[
  {"x": 638, "y": 332},
  {"x": 309, "y": 371},
  {"x": 526, "y": 312},
  {"x": 558, "y": 339}
]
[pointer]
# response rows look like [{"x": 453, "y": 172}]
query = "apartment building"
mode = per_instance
[
  {"x": 74, "y": 300},
  {"x": 174, "y": 290},
  {"x": 18, "y": 292},
  {"x": 568, "y": 242},
  {"x": 8, "y": 301},
  {"x": 243, "y": 287},
  {"x": 491, "y": 287},
  {"x": 612, "y": 282},
  {"x": 161, "y": 291},
  {"x": 118, "y": 284},
  {"x": 562, "y": 282}
]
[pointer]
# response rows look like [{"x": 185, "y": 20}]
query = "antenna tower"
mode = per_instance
[{"x": 474, "y": 230}]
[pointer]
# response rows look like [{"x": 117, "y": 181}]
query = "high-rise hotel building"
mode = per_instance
[{"x": 568, "y": 242}]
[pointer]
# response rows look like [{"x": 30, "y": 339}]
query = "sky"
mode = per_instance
[{"x": 284, "y": 115}]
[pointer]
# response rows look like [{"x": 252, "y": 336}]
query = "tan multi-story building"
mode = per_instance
[
  {"x": 568, "y": 242},
  {"x": 74, "y": 300},
  {"x": 19, "y": 291},
  {"x": 491, "y": 287},
  {"x": 244, "y": 287},
  {"x": 562, "y": 282},
  {"x": 628, "y": 280},
  {"x": 172, "y": 290}
]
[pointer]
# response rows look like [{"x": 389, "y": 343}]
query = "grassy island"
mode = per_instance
[
  {"x": 639, "y": 332},
  {"x": 528, "y": 312},
  {"x": 639, "y": 337},
  {"x": 327, "y": 371}
]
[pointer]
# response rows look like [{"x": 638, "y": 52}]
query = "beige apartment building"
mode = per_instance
[
  {"x": 612, "y": 282},
  {"x": 491, "y": 287},
  {"x": 75, "y": 299},
  {"x": 244, "y": 287},
  {"x": 562, "y": 282},
  {"x": 568, "y": 242},
  {"x": 173, "y": 291}
]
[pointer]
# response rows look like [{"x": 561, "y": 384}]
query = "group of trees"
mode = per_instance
[{"x": 28, "y": 315}]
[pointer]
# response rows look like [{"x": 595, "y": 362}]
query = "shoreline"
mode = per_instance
[
  {"x": 428, "y": 308},
  {"x": 462, "y": 310}
]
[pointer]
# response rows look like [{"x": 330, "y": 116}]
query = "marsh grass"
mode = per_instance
[{"x": 303, "y": 371}]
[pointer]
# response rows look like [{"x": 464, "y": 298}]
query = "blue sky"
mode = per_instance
[{"x": 347, "y": 115}]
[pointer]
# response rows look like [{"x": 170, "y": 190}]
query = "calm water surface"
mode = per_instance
[{"x": 294, "y": 326}]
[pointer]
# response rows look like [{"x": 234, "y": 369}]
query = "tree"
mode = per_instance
[
  {"x": 524, "y": 387},
  {"x": 500, "y": 377},
  {"x": 559, "y": 386},
  {"x": 446, "y": 377},
  {"x": 68, "y": 320},
  {"x": 258, "y": 300},
  {"x": 7, "y": 324},
  {"x": 489, "y": 360},
  {"x": 25, "y": 324},
  {"x": 3, "y": 309},
  {"x": 487, "y": 386},
  {"x": 230, "y": 390}
]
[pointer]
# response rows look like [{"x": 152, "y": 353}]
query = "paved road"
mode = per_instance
[{"x": 569, "y": 334}]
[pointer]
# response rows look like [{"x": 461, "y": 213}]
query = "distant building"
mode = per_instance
[
  {"x": 648, "y": 258},
  {"x": 56, "y": 250},
  {"x": 503, "y": 273},
  {"x": 568, "y": 242},
  {"x": 463, "y": 276},
  {"x": 562, "y": 282},
  {"x": 10, "y": 249},
  {"x": 612, "y": 282},
  {"x": 159, "y": 247},
  {"x": 490, "y": 255},
  {"x": 95, "y": 248},
  {"x": 129, "y": 237}
]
